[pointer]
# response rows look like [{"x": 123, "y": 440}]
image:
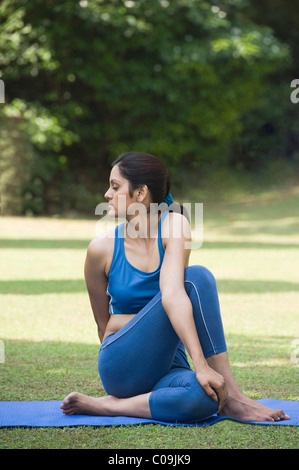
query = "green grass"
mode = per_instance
[{"x": 51, "y": 344}]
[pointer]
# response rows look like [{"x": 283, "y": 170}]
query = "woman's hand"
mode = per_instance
[{"x": 213, "y": 384}]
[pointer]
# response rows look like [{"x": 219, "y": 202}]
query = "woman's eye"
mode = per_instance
[{"x": 115, "y": 188}]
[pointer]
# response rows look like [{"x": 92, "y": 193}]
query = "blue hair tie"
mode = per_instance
[{"x": 168, "y": 200}]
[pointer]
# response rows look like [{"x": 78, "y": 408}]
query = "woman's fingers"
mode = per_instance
[
  {"x": 214, "y": 385},
  {"x": 222, "y": 395},
  {"x": 212, "y": 394}
]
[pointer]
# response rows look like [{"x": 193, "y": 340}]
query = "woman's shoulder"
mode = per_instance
[
  {"x": 102, "y": 244},
  {"x": 175, "y": 225}
]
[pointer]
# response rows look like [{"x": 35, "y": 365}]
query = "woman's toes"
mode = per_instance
[{"x": 68, "y": 402}]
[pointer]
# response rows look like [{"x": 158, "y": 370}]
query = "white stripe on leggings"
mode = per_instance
[{"x": 203, "y": 318}]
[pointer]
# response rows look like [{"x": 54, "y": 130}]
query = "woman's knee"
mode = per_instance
[
  {"x": 198, "y": 405},
  {"x": 199, "y": 274}
]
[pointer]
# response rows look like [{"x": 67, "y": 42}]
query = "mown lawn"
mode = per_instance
[{"x": 50, "y": 338}]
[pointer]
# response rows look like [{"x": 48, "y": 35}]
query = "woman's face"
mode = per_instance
[{"x": 118, "y": 194}]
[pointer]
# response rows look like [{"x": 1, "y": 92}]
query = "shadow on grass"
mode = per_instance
[
  {"x": 49, "y": 370},
  {"x": 71, "y": 286},
  {"x": 36, "y": 286},
  {"x": 44, "y": 243},
  {"x": 83, "y": 244},
  {"x": 226, "y": 245}
]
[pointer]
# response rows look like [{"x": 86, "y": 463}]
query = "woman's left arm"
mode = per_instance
[{"x": 177, "y": 304}]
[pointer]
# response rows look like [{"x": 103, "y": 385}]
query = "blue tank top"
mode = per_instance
[{"x": 129, "y": 288}]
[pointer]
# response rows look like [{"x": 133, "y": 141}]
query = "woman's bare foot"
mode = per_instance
[
  {"x": 243, "y": 408},
  {"x": 78, "y": 404}
]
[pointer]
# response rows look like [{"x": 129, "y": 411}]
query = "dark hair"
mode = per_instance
[{"x": 144, "y": 168}]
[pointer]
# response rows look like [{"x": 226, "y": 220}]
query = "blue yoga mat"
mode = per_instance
[{"x": 49, "y": 414}]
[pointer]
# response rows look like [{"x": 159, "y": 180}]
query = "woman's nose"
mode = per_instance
[{"x": 107, "y": 194}]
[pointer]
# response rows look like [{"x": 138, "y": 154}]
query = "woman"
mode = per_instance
[{"x": 149, "y": 305}]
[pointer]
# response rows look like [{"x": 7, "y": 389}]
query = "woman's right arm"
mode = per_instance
[
  {"x": 96, "y": 283},
  {"x": 178, "y": 306}
]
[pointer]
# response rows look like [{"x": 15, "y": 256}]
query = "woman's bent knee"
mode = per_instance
[
  {"x": 200, "y": 276},
  {"x": 197, "y": 272},
  {"x": 198, "y": 404}
]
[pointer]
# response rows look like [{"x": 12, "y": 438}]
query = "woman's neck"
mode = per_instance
[{"x": 143, "y": 226}]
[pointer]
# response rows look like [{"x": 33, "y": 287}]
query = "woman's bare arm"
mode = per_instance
[
  {"x": 178, "y": 305},
  {"x": 96, "y": 283}
]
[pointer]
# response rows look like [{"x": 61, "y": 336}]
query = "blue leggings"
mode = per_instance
[{"x": 146, "y": 355}]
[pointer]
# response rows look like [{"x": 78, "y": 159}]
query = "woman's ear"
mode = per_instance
[{"x": 141, "y": 193}]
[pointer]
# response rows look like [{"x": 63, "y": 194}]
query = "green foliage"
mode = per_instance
[{"x": 88, "y": 80}]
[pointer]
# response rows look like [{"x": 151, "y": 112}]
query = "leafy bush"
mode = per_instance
[{"x": 89, "y": 80}]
